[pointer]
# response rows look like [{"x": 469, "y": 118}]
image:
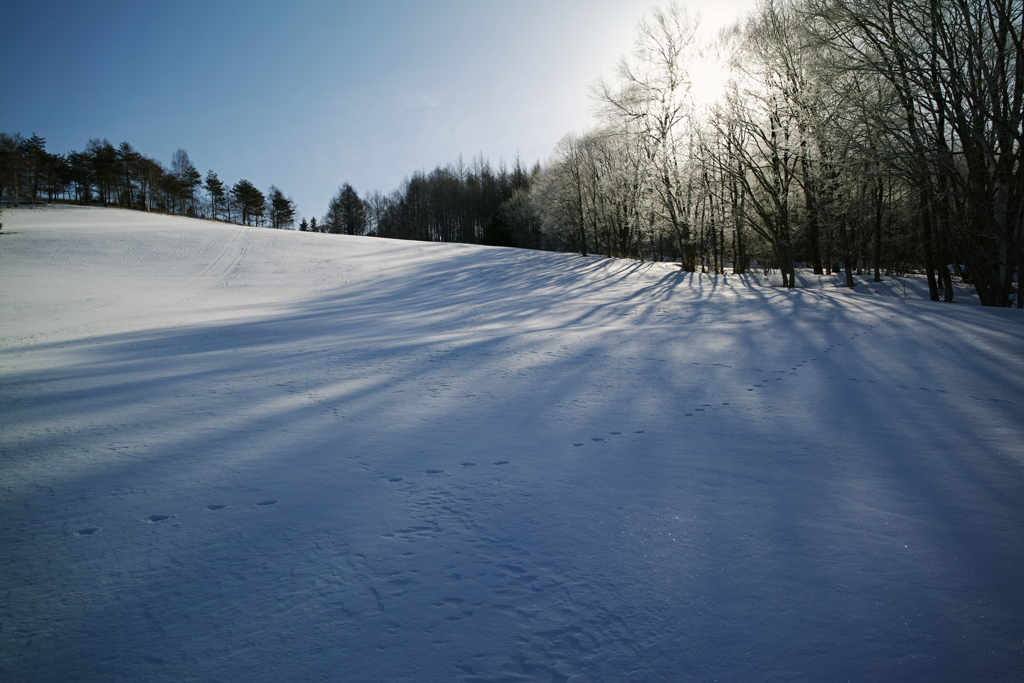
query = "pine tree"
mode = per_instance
[
  {"x": 188, "y": 179},
  {"x": 33, "y": 151},
  {"x": 129, "y": 159},
  {"x": 250, "y": 201},
  {"x": 282, "y": 209},
  {"x": 346, "y": 213},
  {"x": 215, "y": 188},
  {"x": 10, "y": 165},
  {"x": 104, "y": 168}
]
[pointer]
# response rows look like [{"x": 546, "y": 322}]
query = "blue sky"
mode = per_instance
[{"x": 309, "y": 95}]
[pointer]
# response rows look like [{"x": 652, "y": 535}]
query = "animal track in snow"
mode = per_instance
[
  {"x": 501, "y": 462},
  {"x": 597, "y": 439},
  {"x": 215, "y": 507},
  {"x": 394, "y": 479},
  {"x": 87, "y": 531},
  {"x": 267, "y": 502},
  {"x": 469, "y": 464},
  {"x": 434, "y": 471},
  {"x": 153, "y": 519}
]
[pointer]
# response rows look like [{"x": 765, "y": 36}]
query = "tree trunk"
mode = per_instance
[
  {"x": 844, "y": 243},
  {"x": 926, "y": 248},
  {"x": 878, "y": 230}
]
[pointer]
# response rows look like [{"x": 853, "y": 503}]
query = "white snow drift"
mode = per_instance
[{"x": 241, "y": 454}]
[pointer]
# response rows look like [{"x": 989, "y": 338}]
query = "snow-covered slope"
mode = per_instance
[{"x": 242, "y": 454}]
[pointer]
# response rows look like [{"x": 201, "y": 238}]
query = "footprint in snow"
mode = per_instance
[
  {"x": 639, "y": 431},
  {"x": 87, "y": 531},
  {"x": 597, "y": 439},
  {"x": 447, "y": 601},
  {"x": 267, "y": 502},
  {"x": 216, "y": 507},
  {"x": 394, "y": 479},
  {"x": 501, "y": 462},
  {"x": 469, "y": 464},
  {"x": 577, "y": 444},
  {"x": 615, "y": 433},
  {"x": 153, "y": 519},
  {"x": 434, "y": 471}
]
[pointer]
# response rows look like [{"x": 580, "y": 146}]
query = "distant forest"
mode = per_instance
[
  {"x": 122, "y": 176},
  {"x": 848, "y": 136}
]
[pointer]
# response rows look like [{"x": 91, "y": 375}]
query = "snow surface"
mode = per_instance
[{"x": 238, "y": 454}]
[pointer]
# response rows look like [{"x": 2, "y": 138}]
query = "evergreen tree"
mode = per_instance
[
  {"x": 282, "y": 209},
  {"x": 33, "y": 151},
  {"x": 215, "y": 188},
  {"x": 346, "y": 213},
  {"x": 498, "y": 233},
  {"x": 129, "y": 159},
  {"x": 104, "y": 169},
  {"x": 150, "y": 174},
  {"x": 10, "y": 165},
  {"x": 188, "y": 180},
  {"x": 78, "y": 164},
  {"x": 250, "y": 201},
  {"x": 56, "y": 175}
]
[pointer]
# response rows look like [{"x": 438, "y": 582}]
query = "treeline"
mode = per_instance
[
  {"x": 848, "y": 136},
  {"x": 474, "y": 204},
  {"x": 122, "y": 176}
]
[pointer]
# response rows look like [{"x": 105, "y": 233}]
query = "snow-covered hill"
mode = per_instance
[{"x": 242, "y": 454}]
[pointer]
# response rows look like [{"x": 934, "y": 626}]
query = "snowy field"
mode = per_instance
[{"x": 238, "y": 454}]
